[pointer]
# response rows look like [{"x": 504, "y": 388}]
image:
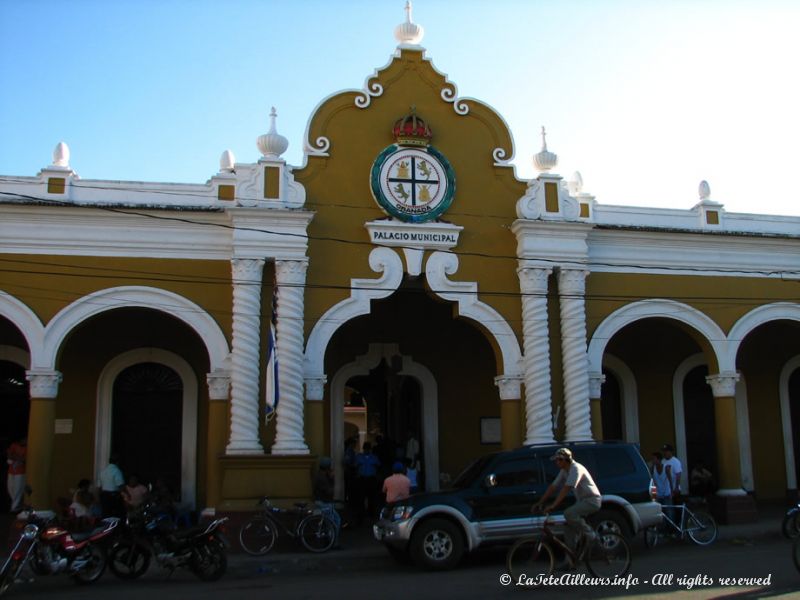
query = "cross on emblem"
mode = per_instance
[{"x": 412, "y": 179}]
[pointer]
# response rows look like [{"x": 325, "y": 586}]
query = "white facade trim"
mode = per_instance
[
  {"x": 786, "y": 421},
  {"x": 29, "y": 325},
  {"x": 430, "y": 409},
  {"x": 105, "y": 397},
  {"x": 629, "y": 395},
  {"x": 138, "y": 297}
]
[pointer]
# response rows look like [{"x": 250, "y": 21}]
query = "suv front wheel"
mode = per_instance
[{"x": 437, "y": 544}]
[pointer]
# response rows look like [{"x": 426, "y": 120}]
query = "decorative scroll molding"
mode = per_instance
[
  {"x": 532, "y": 204},
  {"x": 319, "y": 148},
  {"x": 501, "y": 157},
  {"x": 450, "y": 94},
  {"x": 372, "y": 89}
]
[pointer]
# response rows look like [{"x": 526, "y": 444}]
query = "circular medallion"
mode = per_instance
[{"x": 413, "y": 184}]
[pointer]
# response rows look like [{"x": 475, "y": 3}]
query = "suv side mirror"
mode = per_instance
[{"x": 490, "y": 481}]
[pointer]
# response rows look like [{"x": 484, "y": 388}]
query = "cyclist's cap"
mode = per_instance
[
  {"x": 562, "y": 453},
  {"x": 667, "y": 448},
  {"x": 398, "y": 467}
]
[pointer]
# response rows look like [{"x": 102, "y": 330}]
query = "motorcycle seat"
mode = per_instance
[
  {"x": 85, "y": 535},
  {"x": 190, "y": 532}
]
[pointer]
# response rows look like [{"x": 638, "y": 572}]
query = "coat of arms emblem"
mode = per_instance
[{"x": 411, "y": 180}]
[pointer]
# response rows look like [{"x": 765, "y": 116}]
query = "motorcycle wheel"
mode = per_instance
[
  {"x": 95, "y": 565},
  {"x": 208, "y": 561},
  {"x": 128, "y": 560}
]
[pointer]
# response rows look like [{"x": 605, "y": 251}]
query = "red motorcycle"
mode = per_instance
[{"x": 50, "y": 549}]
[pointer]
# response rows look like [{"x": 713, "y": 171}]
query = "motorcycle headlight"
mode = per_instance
[
  {"x": 401, "y": 513},
  {"x": 30, "y": 531}
]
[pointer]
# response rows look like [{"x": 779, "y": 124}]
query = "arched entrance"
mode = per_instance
[
  {"x": 155, "y": 370},
  {"x": 14, "y": 411},
  {"x": 146, "y": 418},
  {"x": 411, "y": 399},
  {"x": 699, "y": 421}
]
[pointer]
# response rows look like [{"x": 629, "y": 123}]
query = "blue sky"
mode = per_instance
[{"x": 645, "y": 98}]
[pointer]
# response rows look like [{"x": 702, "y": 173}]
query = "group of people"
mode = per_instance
[{"x": 667, "y": 471}]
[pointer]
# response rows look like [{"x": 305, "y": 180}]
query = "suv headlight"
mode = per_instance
[{"x": 401, "y": 513}]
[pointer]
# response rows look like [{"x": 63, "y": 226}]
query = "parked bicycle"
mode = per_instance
[
  {"x": 532, "y": 558},
  {"x": 790, "y": 527},
  {"x": 698, "y": 525},
  {"x": 315, "y": 530}
]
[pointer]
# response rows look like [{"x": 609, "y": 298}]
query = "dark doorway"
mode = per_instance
[
  {"x": 15, "y": 406},
  {"x": 393, "y": 406},
  {"x": 794, "y": 410},
  {"x": 611, "y": 408},
  {"x": 700, "y": 425},
  {"x": 146, "y": 423}
]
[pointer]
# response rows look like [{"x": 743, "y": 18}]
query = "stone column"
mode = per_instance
[
  {"x": 245, "y": 357},
  {"x": 41, "y": 435},
  {"x": 536, "y": 361},
  {"x": 219, "y": 385},
  {"x": 572, "y": 292},
  {"x": 729, "y": 477},
  {"x": 289, "y": 434},
  {"x": 596, "y": 381}
]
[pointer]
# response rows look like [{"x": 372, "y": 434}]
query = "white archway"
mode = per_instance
[
  {"x": 430, "y": 408},
  {"x": 742, "y": 421},
  {"x": 755, "y": 318},
  {"x": 656, "y": 308},
  {"x": 629, "y": 395},
  {"x": 171, "y": 303},
  {"x": 786, "y": 421},
  {"x": 105, "y": 393},
  {"x": 464, "y": 294},
  {"x": 28, "y": 324}
]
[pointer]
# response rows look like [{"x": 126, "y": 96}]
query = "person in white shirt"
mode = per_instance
[
  {"x": 573, "y": 477},
  {"x": 111, "y": 485},
  {"x": 674, "y": 470}
]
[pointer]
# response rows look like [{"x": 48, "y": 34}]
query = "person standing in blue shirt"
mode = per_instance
[{"x": 367, "y": 465}]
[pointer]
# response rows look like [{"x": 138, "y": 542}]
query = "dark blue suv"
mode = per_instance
[{"x": 490, "y": 502}]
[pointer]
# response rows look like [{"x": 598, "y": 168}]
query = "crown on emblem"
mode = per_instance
[{"x": 412, "y": 130}]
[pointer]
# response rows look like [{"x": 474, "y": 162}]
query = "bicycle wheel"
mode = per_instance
[
  {"x": 258, "y": 536},
  {"x": 529, "y": 560},
  {"x": 651, "y": 536},
  {"x": 317, "y": 533},
  {"x": 609, "y": 556},
  {"x": 701, "y": 527},
  {"x": 790, "y": 528}
]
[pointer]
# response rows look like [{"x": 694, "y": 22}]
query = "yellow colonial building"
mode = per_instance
[{"x": 419, "y": 285}]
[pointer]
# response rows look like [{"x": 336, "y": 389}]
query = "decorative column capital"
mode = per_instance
[
  {"x": 723, "y": 385},
  {"x": 43, "y": 382},
  {"x": 509, "y": 386},
  {"x": 315, "y": 387},
  {"x": 572, "y": 281},
  {"x": 247, "y": 270},
  {"x": 596, "y": 381},
  {"x": 291, "y": 271},
  {"x": 219, "y": 384},
  {"x": 533, "y": 279}
]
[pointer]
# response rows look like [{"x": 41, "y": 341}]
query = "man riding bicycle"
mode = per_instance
[{"x": 572, "y": 477}]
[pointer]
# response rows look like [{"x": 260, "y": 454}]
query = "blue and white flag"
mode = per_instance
[{"x": 271, "y": 388}]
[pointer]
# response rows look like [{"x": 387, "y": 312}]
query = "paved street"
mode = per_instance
[{"x": 376, "y": 576}]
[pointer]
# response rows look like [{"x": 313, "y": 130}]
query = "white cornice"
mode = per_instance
[{"x": 199, "y": 235}]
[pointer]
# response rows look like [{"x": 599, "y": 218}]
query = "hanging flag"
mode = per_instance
[{"x": 271, "y": 388}]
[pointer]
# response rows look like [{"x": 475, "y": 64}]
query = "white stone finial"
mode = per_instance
[
  {"x": 704, "y": 190},
  {"x": 272, "y": 144},
  {"x": 575, "y": 184},
  {"x": 545, "y": 160},
  {"x": 61, "y": 155},
  {"x": 227, "y": 162},
  {"x": 409, "y": 33}
]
